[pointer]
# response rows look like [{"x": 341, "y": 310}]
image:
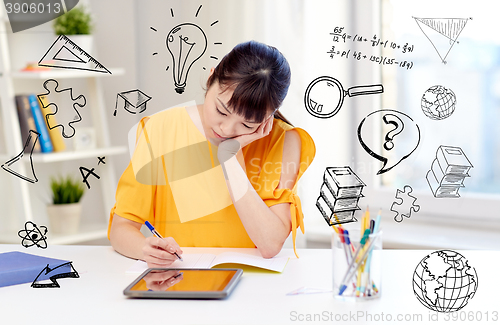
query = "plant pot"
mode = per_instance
[
  {"x": 64, "y": 218},
  {"x": 85, "y": 42}
]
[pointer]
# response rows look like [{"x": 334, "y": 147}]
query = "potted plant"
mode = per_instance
[
  {"x": 65, "y": 210},
  {"x": 76, "y": 23}
]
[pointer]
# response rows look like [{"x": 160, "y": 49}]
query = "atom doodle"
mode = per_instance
[{"x": 33, "y": 235}]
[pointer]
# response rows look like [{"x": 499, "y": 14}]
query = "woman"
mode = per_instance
[{"x": 220, "y": 174}]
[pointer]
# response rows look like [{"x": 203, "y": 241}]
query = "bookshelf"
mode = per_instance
[{"x": 19, "y": 189}]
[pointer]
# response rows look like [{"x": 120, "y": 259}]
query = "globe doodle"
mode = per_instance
[
  {"x": 438, "y": 102},
  {"x": 444, "y": 282}
]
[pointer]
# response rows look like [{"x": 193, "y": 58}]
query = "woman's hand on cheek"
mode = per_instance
[{"x": 263, "y": 130}]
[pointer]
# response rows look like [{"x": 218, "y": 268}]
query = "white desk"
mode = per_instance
[{"x": 260, "y": 298}]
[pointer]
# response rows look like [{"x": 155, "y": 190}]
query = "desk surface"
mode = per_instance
[{"x": 260, "y": 298}]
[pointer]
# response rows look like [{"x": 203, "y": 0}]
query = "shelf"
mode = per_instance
[
  {"x": 86, "y": 233},
  {"x": 63, "y": 74},
  {"x": 73, "y": 155}
]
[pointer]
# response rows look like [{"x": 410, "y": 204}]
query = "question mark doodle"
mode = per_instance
[
  {"x": 402, "y": 124},
  {"x": 399, "y": 126}
]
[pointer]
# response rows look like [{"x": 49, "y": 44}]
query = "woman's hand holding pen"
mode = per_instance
[{"x": 160, "y": 252}]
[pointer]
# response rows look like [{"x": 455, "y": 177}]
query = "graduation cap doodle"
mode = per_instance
[{"x": 135, "y": 101}]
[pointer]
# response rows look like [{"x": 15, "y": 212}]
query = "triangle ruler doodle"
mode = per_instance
[
  {"x": 64, "y": 53},
  {"x": 442, "y": 33}
]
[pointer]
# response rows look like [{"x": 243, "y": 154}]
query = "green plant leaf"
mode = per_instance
[
  {"x": 66, "y": 190},
  {"x": 77, "y": 21}
]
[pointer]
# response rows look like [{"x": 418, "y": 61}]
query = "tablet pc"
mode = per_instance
[{"x": 184, "y": 283}]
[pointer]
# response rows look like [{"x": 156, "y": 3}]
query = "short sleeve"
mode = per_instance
[
  {"x": 134, "y": 201},
  {"x": 264, "y": 174}
]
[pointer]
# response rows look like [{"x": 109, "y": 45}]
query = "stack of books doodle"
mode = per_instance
[
  {"x": 448, "y": 172},
  {"x": 339, "y": 195}
]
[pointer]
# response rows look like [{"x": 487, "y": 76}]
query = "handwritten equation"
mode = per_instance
[{"x": 339, "y": 36}]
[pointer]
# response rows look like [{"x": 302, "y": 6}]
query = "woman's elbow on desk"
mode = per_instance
[
  {"x": 269, "y": 253},
  {"x": 271, "y": 250}
]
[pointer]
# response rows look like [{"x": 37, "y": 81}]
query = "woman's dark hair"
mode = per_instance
[{"x": 260, "y": 75}]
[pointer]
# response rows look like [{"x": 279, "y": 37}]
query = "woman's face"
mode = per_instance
[{"x": 219, "y": 121}]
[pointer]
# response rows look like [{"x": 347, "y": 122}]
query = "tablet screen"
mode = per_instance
[{"x": 184, "y": 280}]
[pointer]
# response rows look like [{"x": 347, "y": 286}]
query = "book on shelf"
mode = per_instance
[
  {"x": 26, "y": 121},
  {"x": 54, "y": 133},
  {"x": 41, "y": 125}
]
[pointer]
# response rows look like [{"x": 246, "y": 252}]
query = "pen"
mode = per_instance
[
  {"x": 157, "y": 234},
  {"x": 376, "y": 225},
  {"x": 359, "y": 261}
]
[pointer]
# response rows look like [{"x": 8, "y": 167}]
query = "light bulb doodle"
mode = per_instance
[{"x": 186, "y": 43}]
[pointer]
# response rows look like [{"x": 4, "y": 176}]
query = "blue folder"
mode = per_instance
[{"x": 17, "y": 268}]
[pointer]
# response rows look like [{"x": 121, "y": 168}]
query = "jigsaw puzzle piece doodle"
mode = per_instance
[
  {"x": 406, "y": 204},
  {"x": 65, "y": 123}
]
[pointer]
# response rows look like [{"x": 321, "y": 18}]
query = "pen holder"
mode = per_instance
[{"x": 357, "y": 267}]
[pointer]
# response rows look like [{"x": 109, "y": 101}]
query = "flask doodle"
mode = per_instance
[
  {"x": 399, "y": 127},
  {"x": 407, "y": 140}
]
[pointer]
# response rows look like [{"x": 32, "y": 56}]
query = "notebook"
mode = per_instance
[
  {"x": 207, "y": 261},
  {"x": 18, "y": 267}
]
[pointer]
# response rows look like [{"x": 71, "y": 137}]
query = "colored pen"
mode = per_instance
[
  {"x": 157, "y": 234},
  {"x": 376, "y": 225},
  {"x": 359, "y": 261}
]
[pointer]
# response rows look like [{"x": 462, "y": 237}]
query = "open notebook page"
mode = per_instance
[{"x": 205, "y": 261}]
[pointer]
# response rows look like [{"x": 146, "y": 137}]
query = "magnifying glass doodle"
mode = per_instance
[{"x": 324, "y": 95}]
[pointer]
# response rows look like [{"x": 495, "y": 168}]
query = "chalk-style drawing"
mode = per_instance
[
  {"x": 448, "y": 172},
  {"x": 58, "y": 272},
  {"x": 186, "y": 43},
  {"x": 64, "y": 53},
  {"x": 402, "y": 124},
  {"x": 442, "y": 33},
  {"x": 406, "y": 204},
  {"x": 28, "y": 147},
  {"x": 135, "y": 101},
  {"x": 67, "y": 129},
  {"x": 438, "y": 102},
  {"x": 33, "y": 235},
  {"x": 25, "y": 15},
  {"x": 339, "y": 195},
  {"x": 444, "y": 281},
  {"x": 324, "y": 96}
]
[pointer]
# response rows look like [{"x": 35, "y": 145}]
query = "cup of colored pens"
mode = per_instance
[{"x": 357, "y": 259}]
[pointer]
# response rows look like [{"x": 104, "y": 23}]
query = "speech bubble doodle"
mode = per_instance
[{"x": 405, "y": 131}]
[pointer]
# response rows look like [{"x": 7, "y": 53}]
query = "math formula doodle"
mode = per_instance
[{"x": 342, "y": 39}]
